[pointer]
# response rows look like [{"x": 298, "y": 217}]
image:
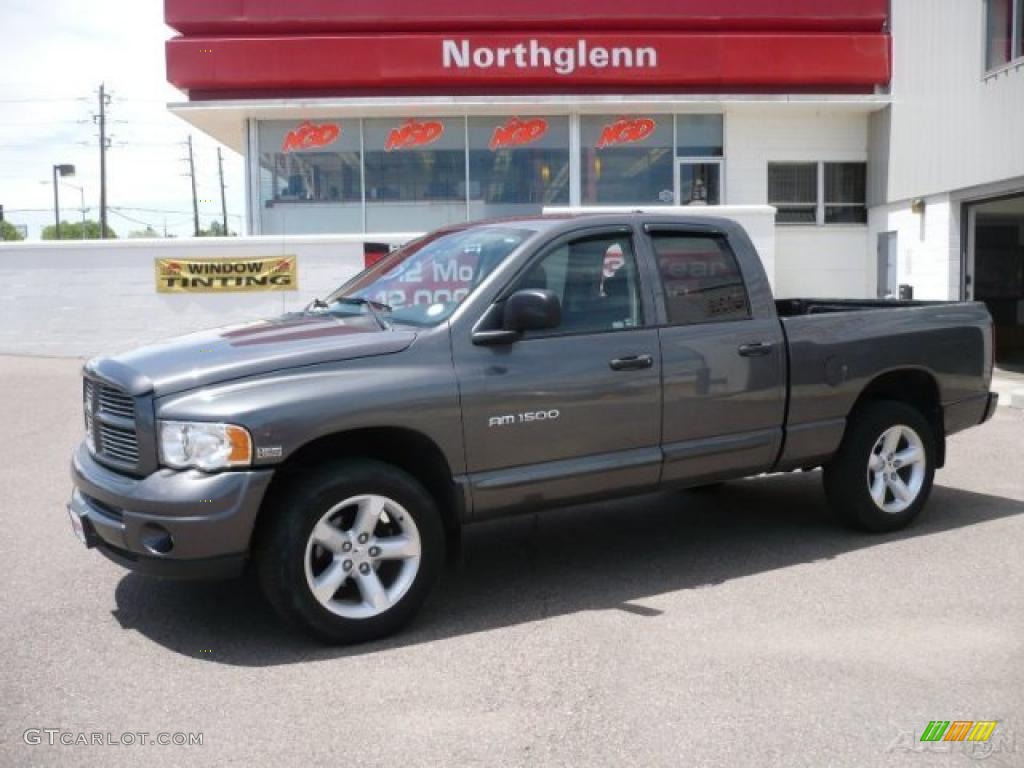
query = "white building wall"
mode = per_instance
[
  {"x": 954, "y": 133},
  {"x": 952, "y": 125},
  {"x": 80, "y": 299},
  {"x": 830, "y": 260},
  {"x": 927, "y": 245}
]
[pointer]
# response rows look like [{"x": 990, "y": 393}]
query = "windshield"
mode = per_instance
[{"x": 423, "y": 282}]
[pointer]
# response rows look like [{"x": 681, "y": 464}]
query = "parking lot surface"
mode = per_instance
[{"x": 728, "y": 628}]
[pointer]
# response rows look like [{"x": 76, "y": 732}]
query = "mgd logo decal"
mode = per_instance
[
  {"x": 626, "y": 131},
  {"x": 517, "y": 133},
  {"x": 310, "y": 136},
  {"x": 414, "y": 134}
]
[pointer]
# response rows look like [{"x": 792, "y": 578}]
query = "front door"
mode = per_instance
[
  {"x": 575, "y": 411},
  {"x": 723, "y": 366},
  {"x": 699, "y": 181}
]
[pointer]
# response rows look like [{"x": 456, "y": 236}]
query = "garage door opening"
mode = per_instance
[{"x": 995, "y": 271}]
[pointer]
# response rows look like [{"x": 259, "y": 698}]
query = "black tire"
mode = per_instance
[
  {"x": 847, "y": 478},
  {"x": 293, "y": 513}
]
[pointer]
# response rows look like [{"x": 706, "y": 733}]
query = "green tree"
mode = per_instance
[
  {"x": 9, "y": 232},
  {"x": 148, "y": 232},
  {"x": 216, "y": 230},
  {"x": 69, "y": 231}
]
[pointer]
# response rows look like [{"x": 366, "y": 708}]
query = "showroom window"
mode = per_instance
[
  {"x": 627, "y": 160},
  {"x": 818, "y": 193},
  {"x": 404, "y": 174},
  {"x": 308, "y": 163},
  {"x": 415, "y": 173},
  {"x": 1004, "y": 32},
  {"x": 517, "y": 164}
]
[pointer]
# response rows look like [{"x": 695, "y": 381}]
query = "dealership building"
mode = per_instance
[{"x": 888, "y": 135}]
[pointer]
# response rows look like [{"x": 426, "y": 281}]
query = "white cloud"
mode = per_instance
[{"x": 53, "y": 57}]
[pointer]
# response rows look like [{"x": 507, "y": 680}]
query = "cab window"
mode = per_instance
[
  {"x": 596, "y": 281},
  {"x": 701, "y": 279}
]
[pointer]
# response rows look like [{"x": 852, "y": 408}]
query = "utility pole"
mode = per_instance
[
  {"x": 192, "y": 173},
  {"x": 102, "y": 120},
  {"x": 223, "y": 196}
]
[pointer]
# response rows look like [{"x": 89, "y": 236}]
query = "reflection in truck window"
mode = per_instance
[
  {"x": 702, "y": 280},
  {"x": 595, "y": 279},
  {"x": 424, "y": 282}
]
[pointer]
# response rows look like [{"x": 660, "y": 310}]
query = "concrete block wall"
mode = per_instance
[
  {"x": 927, "y": 245},
  {"x": 831, "y": 260},
  {"x": 82, "y": 299}
]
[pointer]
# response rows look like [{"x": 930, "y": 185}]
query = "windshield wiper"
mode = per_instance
[{"x": 375, "y": 308}]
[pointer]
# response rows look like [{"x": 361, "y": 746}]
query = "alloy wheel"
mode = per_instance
[
  {"x": 362, "y": 556},
  {"x": 896, "y": 469}
]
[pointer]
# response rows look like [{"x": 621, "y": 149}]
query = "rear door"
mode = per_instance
[
  {"x": 723, "y": 362},
  {"x": 574, "y": 411}
]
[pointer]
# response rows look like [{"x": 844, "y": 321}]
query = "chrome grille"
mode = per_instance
[
  {"x": 120, "y": 444},
  {"x": 110, "y": 423},
  {"x": 116, "y": 403}
]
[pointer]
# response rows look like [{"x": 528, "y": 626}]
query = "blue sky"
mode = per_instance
[{"x": 53, "y": 56}]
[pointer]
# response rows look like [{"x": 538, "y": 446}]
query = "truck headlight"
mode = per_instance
[{"x": 205, "y": 446}]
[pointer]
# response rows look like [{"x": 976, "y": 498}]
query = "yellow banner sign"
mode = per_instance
[{"x": 280, "y": 273}]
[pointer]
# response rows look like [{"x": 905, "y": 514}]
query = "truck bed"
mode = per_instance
[
  {"x": 836, "y": 348},
  {"x": 798, "y": 307}
]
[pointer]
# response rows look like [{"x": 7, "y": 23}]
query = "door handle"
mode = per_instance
[
  {"x": 632, "y": 363},
  {"x": 757, "y": 349}
]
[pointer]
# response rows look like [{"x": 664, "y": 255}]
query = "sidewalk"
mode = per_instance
[{"x": 1009, "y": 383}]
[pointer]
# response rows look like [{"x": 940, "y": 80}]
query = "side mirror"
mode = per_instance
[
  {"x": 532, "y": 309},
  {"x": 526, "y": 310}
]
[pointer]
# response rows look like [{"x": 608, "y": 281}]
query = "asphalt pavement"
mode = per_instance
[{"x": 740, "y": 627}]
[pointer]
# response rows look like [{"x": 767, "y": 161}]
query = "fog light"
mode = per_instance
[{"x": 157, "y": 539}]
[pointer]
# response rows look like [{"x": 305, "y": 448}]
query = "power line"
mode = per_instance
[
  {"x": 41, "y": 101},
  {"x": 116, "y": 212},
  {"x": 165, "y": 210},
  {"x": 39, "y": 124}
]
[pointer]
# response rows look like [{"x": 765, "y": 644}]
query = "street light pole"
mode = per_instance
[
  {"x": 56, "y": 201},
  {"x": 59, "y": 170},
  {"x": 81, "y": 192},
  {"x": 81, "y": 195}
]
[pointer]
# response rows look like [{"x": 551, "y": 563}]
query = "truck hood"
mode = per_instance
[{"x": 222, "y": 354}]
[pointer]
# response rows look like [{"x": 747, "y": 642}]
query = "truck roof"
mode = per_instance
[{"x": 554, "y": 221}]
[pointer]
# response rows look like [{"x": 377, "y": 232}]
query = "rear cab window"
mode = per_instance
[{"x": 700, "y": 277}]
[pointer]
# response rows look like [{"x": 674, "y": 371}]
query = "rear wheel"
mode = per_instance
[
  {"x": 351, "y": 550},
  {"x": 882, "y": 474}
]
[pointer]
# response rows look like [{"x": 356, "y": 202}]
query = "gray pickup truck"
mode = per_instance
[{"x": 502, "y": 367}]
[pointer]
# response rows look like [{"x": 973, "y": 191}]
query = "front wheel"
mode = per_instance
[
  {"x": 351, "y": 550},
  {"x": 882, "y": 474}
]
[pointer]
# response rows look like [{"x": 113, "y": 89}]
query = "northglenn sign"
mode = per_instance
[
  {"x": 562, "y": 60},
  {"x": 527, "y": 62}
]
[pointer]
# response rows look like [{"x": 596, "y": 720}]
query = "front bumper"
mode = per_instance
[{"x": 170, "y": 524}]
